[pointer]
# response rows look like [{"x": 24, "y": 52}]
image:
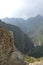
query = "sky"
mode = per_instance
[{"x": 20, "y": 8}]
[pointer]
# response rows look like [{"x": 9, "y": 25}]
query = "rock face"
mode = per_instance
[{"x": 8, "y": 53}]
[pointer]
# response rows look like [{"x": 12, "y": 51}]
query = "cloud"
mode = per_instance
[
  {"x": 21, "y": 8},
  {"x": 30, "y": 8}
]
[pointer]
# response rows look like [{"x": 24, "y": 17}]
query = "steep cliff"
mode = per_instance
[{"x": 9, "y": 55}]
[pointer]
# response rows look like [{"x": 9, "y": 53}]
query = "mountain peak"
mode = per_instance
[{"x": 38, "y": 16}]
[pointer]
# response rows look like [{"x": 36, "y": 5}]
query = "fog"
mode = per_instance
[{"x": 20, "y": 8}]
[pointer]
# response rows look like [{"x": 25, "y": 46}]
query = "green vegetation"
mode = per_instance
[
  {"x": 37, "y": 52},
  {"x": 31, "y": 59},
  {"x": 21, "y": 40},
  {"x": 32, "y": 26}
]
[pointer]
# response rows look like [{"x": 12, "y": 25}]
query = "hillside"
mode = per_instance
[
  {"x": 22, "y": 42},
  {"x": 33, "y": 27}
]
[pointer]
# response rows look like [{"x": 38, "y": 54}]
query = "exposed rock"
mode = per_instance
[{"x": 8, "y": 53}]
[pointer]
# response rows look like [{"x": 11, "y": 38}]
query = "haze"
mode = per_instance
[{"x": 20, "y": 8}]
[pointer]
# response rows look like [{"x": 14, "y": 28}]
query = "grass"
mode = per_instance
[{"x": 31, "y": 59}]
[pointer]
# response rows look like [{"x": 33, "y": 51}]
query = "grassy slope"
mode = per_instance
[{"x": 31, "y": 59}]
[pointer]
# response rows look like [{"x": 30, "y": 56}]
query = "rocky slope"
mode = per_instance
[{"x": 9, "y": 55}]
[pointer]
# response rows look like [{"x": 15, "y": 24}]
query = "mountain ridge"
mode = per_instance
[
  {"x": 22, "y": 42},
  {"x": 33, "y": 26}
]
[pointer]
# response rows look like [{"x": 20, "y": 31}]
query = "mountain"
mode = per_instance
[
  {"x": 33, "y": 27},
  {"x": 22, "y": 42},
  {"x": 37, "y": 52},
  {"x": 15, "y": 21}
]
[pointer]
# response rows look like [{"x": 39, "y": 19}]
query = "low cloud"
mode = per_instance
[{"x": 30, "y": 8}]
